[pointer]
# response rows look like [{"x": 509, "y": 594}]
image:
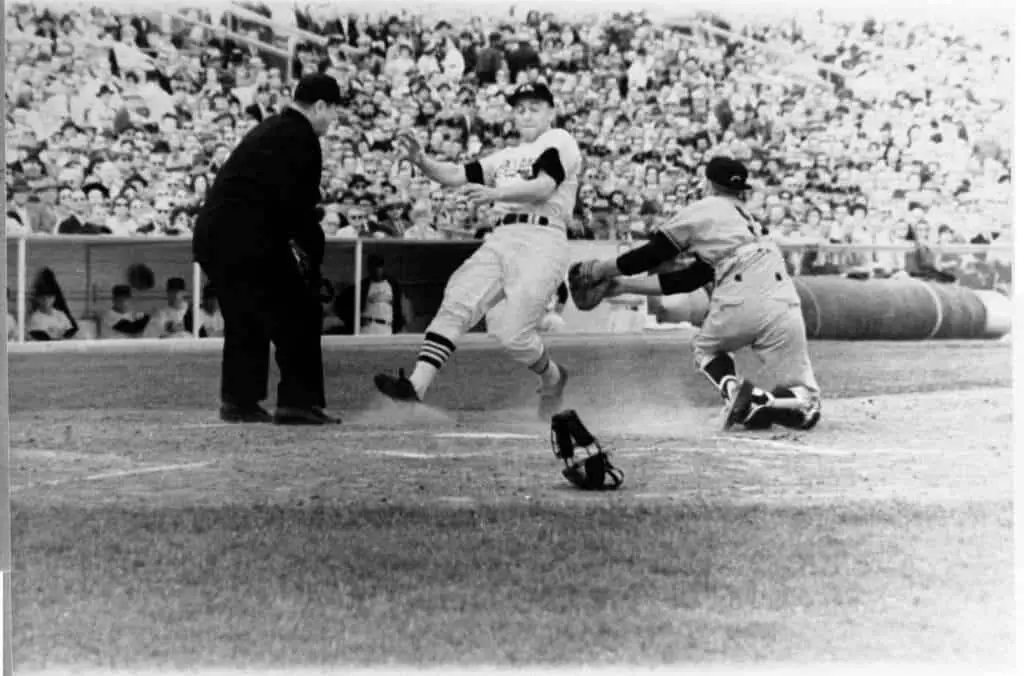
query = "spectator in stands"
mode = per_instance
[
  {"x": 120, "y": 221},
  {"x": 357, "y": 224},
  {"x": 121, "y": 321},
  {"x": 50, "y": 317},
  {"x": 331, "y": 222},
  {"x": 906, "y": 115},
  {"x": 422, "y": 226}
]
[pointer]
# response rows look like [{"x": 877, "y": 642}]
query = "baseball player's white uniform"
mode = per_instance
[
  {"x": 753, "y": 301},
  {"x": 520, "y": 265},
  {"x": 379, "y": 310},
  {"x": 168, "y": 322},
  {"x": 523, "y": 261},
  {"x": 714, "y": 243}
]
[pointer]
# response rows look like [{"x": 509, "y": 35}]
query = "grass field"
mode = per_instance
[{"x": 146, "y": 534}]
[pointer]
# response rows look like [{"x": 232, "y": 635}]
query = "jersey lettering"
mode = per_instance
[{"x": 516, "y": 164}]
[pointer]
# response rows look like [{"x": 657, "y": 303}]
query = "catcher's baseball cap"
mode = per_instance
[
  {"x": 727, "y": 173},
  {"x": 318, "y": 87},
  {"x": 531, "y": 90}
]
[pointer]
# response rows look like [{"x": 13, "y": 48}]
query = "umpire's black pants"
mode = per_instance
[{"x": 263, "y": 305}]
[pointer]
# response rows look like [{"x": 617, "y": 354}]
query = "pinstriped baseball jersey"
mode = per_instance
[
  {"x": 748, "y": 264},
  {"x": 516, "y": 164}
]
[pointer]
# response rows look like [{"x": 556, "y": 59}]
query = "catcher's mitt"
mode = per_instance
[
  {"x": 587, "y": 293},
  {"x": 592, "y": 472}
]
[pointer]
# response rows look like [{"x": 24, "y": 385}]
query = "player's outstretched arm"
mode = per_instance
[
  {"x": 447, "y": 174},
  {"x": 658, "y": 250},
  {"x": 682, "y": 280}
]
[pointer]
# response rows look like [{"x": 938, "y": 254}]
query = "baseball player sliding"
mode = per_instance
[
  {"x": 533, "y": 188},
  {"x": 715, "y": 243}
]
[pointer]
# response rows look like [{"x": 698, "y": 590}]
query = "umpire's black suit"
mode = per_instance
[{"x": 263, "y": 199}]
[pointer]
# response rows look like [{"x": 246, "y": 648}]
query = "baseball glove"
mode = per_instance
[
  {"x": 587, "y": 293},
  {"x": 591, "y": 472}
]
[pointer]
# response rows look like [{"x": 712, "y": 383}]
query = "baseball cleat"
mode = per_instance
[
  {"x": 811, "y": 416},
  {"x": 737, "y": 407},
  {"x": 396, "y": 388},
  {"x": 551, "y": 400}
]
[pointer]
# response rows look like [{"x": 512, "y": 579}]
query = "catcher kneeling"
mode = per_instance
[{"x": 715, "y": 244}]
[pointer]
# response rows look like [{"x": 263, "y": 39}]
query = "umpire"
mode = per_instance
[{"x": 259, "y": 241}]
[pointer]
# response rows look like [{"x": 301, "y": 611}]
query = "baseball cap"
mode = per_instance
[
  {"x": 531, "y": 90},
  {"x": 727, "y": 173},
  {"x": 318, "y": 87}
]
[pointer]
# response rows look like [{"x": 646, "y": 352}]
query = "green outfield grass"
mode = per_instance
[{"x": 145, "y": 534}]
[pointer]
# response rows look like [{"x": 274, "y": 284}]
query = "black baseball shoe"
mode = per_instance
[
  {"x": 746, "y": 407},
  {"x": 396, "y": 388},
  {"x": 291, "y": 415},
  {"x": 232, "y": 413}
]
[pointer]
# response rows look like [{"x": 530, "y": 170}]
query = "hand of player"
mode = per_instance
[
  {"x": 480, "y": 194},
  {"x": 409, "y": 147}
]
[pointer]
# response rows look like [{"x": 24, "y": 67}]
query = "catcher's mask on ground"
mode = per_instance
[{"x": 591, "y": 471}]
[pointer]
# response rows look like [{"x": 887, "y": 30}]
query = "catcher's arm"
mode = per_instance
[
  {"x": 686, "y": 280},
  {"x": 658, "y": 250}
]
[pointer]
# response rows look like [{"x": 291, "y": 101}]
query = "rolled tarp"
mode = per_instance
[{"x": 838, "y": 308}]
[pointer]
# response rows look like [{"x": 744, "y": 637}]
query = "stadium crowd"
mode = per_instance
[{"x": 874, "y": 132}]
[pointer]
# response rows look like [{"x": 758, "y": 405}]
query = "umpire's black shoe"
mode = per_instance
[
  {"x": 288, "y": 415},
  {"x": 232, "y": 413},
  {"x": 398, "y": 388}
]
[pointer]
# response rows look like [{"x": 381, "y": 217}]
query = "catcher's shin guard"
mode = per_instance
[{"x": 593, "y": 471}]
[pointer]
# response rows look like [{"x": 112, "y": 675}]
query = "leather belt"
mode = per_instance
[{"x": 528, "y": 219}]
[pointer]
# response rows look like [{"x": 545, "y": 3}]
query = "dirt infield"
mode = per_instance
[
  {"x": 190, "y": 458},
  {"x": 149, "y": 534}
]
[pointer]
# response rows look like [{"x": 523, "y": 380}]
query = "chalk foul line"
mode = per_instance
[{"x": 117, "y": 474}]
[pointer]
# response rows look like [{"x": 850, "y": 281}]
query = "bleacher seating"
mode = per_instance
[{"x": 868, "y": 131}]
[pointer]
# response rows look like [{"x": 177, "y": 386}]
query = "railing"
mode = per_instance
[{"x": 85, "y": 263}]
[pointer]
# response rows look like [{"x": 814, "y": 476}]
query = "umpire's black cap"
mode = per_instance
[
  {"x": 531, "y": 90},
  {"x": 727, "y": 173},
  {"x": 318, "y": 87}
]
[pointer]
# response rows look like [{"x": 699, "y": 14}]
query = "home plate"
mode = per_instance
[{"x": 484, "y": 435}]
